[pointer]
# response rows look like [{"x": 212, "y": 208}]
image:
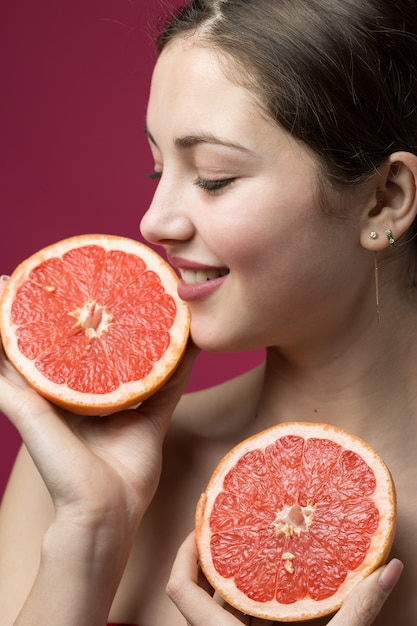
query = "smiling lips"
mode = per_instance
[
  {"x": 195, "y": 291},
  {"x": 198, "y": 282},
  {"x": 191, "y": 277}
]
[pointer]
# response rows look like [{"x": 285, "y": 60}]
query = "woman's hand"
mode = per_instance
[
  {"x": 193, "y": 596},
  {"x": 94, "y": 467},
  {"x": 101, "y": 473}
]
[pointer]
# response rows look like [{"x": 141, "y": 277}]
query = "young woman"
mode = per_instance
[{"x": 284, "y": 134}]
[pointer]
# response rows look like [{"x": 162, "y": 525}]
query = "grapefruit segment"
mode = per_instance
[
  {"x": 94, "y": 322},
  {"x": 292, "y": 519}
]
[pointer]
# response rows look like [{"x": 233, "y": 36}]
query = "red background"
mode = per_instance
[{"x": 73, "y": 156}]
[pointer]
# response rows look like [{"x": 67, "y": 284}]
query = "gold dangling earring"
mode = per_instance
[
  {"x": 373, "y": 235},
  {"x": 376, "y": 286}
]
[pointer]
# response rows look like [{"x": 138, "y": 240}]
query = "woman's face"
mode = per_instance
[{"x": 236, "y": 211}]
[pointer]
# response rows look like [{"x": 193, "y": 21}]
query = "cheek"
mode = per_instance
[
  {"x": 291, "y": 257},
  {"x": 241, "y": 229},
  {"x": 268, "y": 234}
]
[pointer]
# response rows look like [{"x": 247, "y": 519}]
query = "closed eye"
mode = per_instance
[
  {"x": 211, "y": 186},
  {"x": 154, "y": 175}
]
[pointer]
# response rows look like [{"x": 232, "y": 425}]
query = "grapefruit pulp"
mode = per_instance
[
  {"x": 292, "y": 519},
  {"x": 94, "y": 322}
]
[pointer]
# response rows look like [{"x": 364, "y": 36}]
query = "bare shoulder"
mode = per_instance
[
  {"x": 25, "y": 513},
  {"x": 219, "y": 410},
  {"x": 26, "y": 500}
]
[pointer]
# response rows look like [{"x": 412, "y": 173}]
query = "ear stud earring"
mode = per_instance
[
  {"x": 373, "y": 235},
  {"x": 391, "y": 239}
]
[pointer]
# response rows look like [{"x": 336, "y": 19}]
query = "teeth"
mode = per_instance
[{"x": 201, "y": 276}]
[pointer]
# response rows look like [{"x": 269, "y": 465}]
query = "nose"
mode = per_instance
[{"x": 167, "y": 221}]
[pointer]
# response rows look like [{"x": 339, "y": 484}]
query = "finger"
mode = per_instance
[
  {"x": 204, "y": 583},
  {"x": 160, "y": 406},
  {"x": 197, "y": 606},
  {"x": 9, "y": 372},
  {"x": 32, "y": 415},
  {"x": 3, "y": 282},
  {"x": 368, "y": 598}
]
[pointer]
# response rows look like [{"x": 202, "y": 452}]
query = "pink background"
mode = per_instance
[{"x": 74, "y": 82}]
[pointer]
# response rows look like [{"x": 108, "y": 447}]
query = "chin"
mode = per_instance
[{"x": 217, "y": 342}]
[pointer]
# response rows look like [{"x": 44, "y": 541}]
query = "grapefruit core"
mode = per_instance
[
  {"x": 292, "y": 519},
  {"x": 94, "y": 322}
]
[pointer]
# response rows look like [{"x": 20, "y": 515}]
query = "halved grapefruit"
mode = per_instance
[
  {"x": 94, "y": 322},
  {"x": 292, "y": 519}
]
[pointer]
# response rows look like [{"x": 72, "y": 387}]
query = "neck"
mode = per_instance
[{"x": 364, "y": 383}]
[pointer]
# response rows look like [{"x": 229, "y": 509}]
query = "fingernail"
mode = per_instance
[
  {"x": 4, "y": 277},
  {"x": 390, "y": 575}
]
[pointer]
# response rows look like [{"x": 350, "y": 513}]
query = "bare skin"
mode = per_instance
[
  {"x": 108, "y": 543},
  {"x": 141, "y": 597}
]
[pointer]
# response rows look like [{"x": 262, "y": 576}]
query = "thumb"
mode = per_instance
[
  {"x": 368, "y": 597},
  {"x": 3, "y": 280},
  {"x": 160, "y": 406}
]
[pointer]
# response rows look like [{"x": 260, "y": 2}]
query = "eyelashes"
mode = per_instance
[
  {"x": 154, "y": 175},
  {"x": 211, "y": 186}
]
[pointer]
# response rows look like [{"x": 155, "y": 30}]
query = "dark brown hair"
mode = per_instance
[{"x": 339, "y": 75}]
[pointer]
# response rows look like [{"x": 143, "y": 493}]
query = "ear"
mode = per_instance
[{"x": 393, "y": 203}]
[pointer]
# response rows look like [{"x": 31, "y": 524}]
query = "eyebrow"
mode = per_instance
[{"x": 189, "y": 141}]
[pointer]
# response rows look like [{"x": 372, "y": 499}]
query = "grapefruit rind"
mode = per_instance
[
  {"x": 127, "y": 394},
  {"x": 306, "y": 608}
]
